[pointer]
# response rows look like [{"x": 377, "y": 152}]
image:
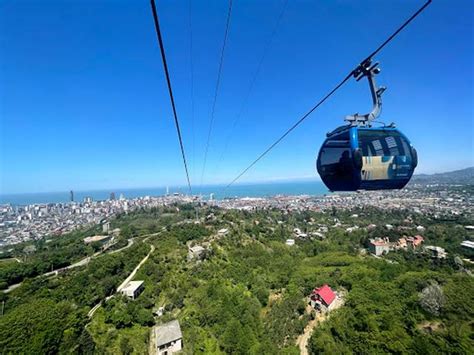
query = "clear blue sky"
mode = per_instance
[{"x": 84, "y": 103}]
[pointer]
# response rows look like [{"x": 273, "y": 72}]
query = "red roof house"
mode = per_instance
[{"x": 324, "y": 294}]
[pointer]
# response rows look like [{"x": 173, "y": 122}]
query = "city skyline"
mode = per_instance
[{"x": 87, "y": 107}]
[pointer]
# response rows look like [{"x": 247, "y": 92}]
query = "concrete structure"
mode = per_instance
[
  {"x": 413, "y": 242},
  {"x": 196, "y": 252},
  {"x": 106, "y": 227},
  {"x": 223, "y": 231},
  {"x": 436, "y": 252},
  {"x": 96, "y": 238},
  {"x": 379, "y": 246},
  {"x": 133, "y": 289},
  {"x": 290, "y": 242},
  {"x": 159, "y": 312},
  {"x": 168, "y": 338},
  {"x": 468, "y": 244}
]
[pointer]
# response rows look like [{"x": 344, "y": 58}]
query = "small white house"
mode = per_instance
[
  {"x": 379, "y": 246},
  {"x": 168, "y": 338},
  {"x": 133, "y": 289},
  {"x": 290, "y": 242},
  {"x": 436, "y": 252},
  {"x": 196, "y": 252},
  {"x": 420, "y": 229},
  {"x": 223, "y": 231}
]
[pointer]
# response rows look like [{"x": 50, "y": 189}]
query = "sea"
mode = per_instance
[{"x": 314, "y": 188}]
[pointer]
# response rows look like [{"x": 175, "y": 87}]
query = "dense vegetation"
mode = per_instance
[
  {"x": 58, "y": 306},
  {"x": 43, "y": 255},
  {"x": 248, "y": 294}
]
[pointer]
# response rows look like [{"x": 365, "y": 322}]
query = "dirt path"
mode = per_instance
[
  {"x": 124, "y": 283},
  {"x": 81, "y": 262},
  {"x": 302, "y": 340},
  {"x": 132, "y": 274}
]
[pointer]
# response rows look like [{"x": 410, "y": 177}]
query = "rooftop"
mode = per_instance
[
  {"x": 168, "y": 332},
  {"x": 95, "y": 238},
  {"x": 326, "y": 293},
  {"x": 132, "y": 286},
  {"x": 468, "y": 244}
]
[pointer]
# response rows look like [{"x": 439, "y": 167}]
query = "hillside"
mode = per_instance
[
  {"x": 463, "y": 176},
  {"x": 248, "y": 292}
]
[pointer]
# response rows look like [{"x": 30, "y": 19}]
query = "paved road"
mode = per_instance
[
  {"x": 130, "y": 243},
  {"x": 133, "y": 273},
  {"x": 81, "y": 262},
  {"x": 90, "y": 314}
]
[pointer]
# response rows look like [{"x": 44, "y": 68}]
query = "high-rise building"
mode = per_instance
[
  {"x": 112, "y": 195},
  {"x": 71, "y": 193}
]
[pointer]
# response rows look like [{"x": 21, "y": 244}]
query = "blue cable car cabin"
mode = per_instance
[{"x": 366, "y": 158}]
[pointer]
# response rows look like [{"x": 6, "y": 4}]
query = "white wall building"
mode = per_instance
[
  {"x": 168, "y": 338},
  {"x": 133, "y": 289}
]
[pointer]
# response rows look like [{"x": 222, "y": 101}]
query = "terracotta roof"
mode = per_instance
[{"x": 325, "y": 293}]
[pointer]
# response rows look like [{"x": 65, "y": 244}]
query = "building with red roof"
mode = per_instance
[{"x": 323, "y": 295}]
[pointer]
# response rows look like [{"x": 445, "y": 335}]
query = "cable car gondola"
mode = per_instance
[{"x": 359, "y": 156}]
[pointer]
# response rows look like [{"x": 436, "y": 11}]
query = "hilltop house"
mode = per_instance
[
  {"x": 196, "y": 252},
  {"x": 413, "y": 242},
  {"x": 379, "y": 246},
  {"x": 436, "y": 252},
  {"x": 168, "y": 338},
  {"x": 133, "y": 289},
  {"x": 321, "y": 298}
]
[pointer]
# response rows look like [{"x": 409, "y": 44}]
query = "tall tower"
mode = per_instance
[
  {"x": 71, "y": 194},
  {"x": 112, "y": 196}
]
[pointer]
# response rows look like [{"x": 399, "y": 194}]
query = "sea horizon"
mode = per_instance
[{"x": 256, "y": 189}]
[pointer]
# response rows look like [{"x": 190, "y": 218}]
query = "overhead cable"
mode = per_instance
[
  {"x": 165, "y": 65},
  {"x": 252, "y": 83},
  {"x": 192, "y": 86},
  {"x": 327, "y": 96},
  {"x": 229, "y": 13}
]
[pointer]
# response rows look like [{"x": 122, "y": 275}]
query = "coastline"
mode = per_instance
[{"x": 305, "y": 187}]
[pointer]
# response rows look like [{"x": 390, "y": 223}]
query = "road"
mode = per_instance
[
  {"x": 84, "y": 261},
  {"x": 130, "y": 243},
  {"x": 133, "y": 273},
  {"x": 81, "y": 262},
  {"x": 125, "y": 282}
]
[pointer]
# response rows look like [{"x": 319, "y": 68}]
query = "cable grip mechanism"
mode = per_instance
[{"x": 369, "y": 70}]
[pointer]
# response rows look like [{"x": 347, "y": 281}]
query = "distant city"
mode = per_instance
[{"x": 34, "y": 221}]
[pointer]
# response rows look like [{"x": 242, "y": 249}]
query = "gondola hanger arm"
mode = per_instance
[{"x": 369, "y": 70}]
